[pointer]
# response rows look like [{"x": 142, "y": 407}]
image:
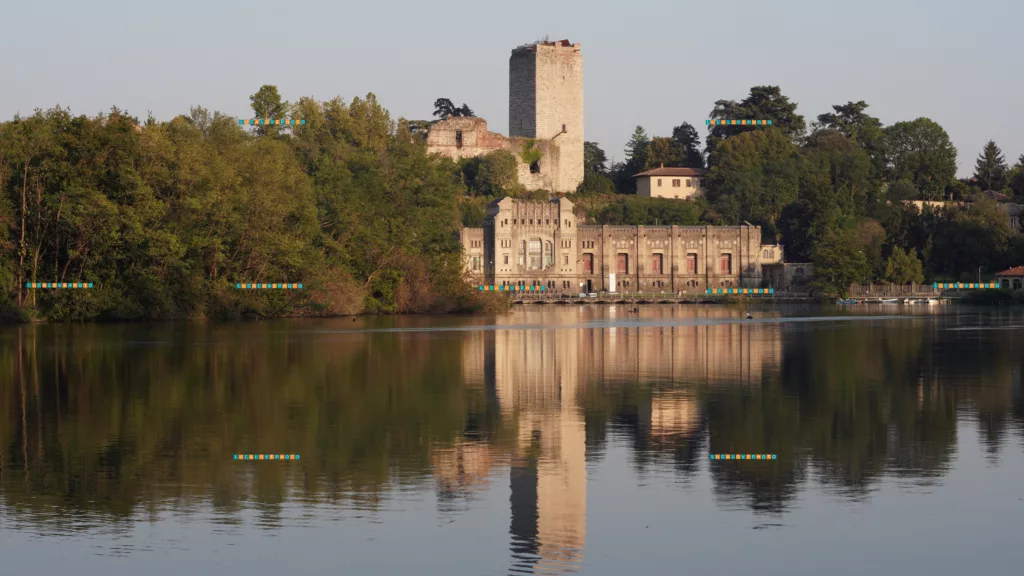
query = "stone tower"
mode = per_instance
[{"x": 545, "y": 102}]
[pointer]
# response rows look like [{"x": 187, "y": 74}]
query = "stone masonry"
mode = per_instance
[
  {"x": 542, "y": 244},
  {"x": 545, "y": 106}
]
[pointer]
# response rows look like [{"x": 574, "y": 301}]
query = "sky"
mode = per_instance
[{"x": 652, "y": 63}]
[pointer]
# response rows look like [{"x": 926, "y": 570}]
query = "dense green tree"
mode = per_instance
[
  {"x": 755, "y": 176},
  {"x": 990, "y": 170},
  {"x": 663, "y": 152},
  {"x": 839, "y": 263},
  {"x": 920, "y": 151},
  {"x": 687, "y": 138},
  {"x": 903, "y": 190},
  {"x": 595, "y": 183},
  {"x": 763, "y": 103},
  {"x": 494, "y": 174},
  {"x": 444, "y": 109},
  {"x": 851, "y": 121},
  {"x": 636, "y": 148},
  {"x": 594, "y": 158},
  {"x": 640, "y": 211},
  {"x": 267, "y": 103},
  {"x": 903, "y": 267}
]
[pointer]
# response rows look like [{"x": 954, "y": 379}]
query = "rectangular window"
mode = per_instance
[
  {"x": 675, "y": 182},
  {"x": 534, "y": 254},
  {"x": 656, "y": 260},
  {"x": 622, "y": 264},
  {"x": 689, "y": 184},
  {"x": 565, "y": 259},
  {"x": 659, "y": 182},
  {"x": 506, "y": 259},
  {"x": 476, "y": 262},
  {"x": 458, "y": 138},
  {"x": 691, "y": 263},
  {"x": 725, "y": 264},
  {"x": 588, "y": 263}
]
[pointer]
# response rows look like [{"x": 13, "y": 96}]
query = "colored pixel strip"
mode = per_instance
[
  {"x": 266, "y": 456},
  {"x": 741, "y": 290},
  {"x": 743, "y": 457},
  {"x": 270, "y": 122},
  {"x": 738, "y": 122},
  {"x": 58, "y": 284},
  {"x": 268, "y": 286},
  {"x": 513, "y": 288},
  {"x": 961, "y": 285}
]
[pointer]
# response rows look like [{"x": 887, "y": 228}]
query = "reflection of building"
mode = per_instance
[{"x": 536, "y": 378}]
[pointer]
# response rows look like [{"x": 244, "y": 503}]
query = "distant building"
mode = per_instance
[
  {"x": 1012, "y": 279},
  {"x": 677, "y": 183},
  {"x": 525, "y": 243},
  {"x": 788, "y": 276},
  {"x": 545, "y": 111}
]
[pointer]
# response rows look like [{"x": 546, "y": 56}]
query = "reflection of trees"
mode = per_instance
[{"x": 108, "y": 424}]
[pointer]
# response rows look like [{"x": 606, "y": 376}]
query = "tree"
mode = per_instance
[
  {"x": 594, "y": 158},
  {"x": 903, "y": 190},
  {"x": 990, "y": 170},
  {"x": 838, "y": 264},
  {"x": 687, "y": 138},
  {"x": 903, "y": 267},
  {"x": 763, "y": 103},
  {"x": 663, "y": 152},
  {"x": 444, "y": 109},
  {"x": 755, "y": 176},
  {"x": 494, "y": 174},
  {"x": 595, "y": 183},
  {"x": 851, "y": 121},
  {"x": 920, "y": 151},
  {"x": 267, "y": 103},
  {"x": 636, "y": 148}
]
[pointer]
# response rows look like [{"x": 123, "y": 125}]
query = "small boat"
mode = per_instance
[
  {"x": 847, "y": 301},
  {"x": 929, "y": 301},
  {"x": 889, "y": 301}
]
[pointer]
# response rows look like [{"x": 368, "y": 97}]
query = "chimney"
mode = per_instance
[{"x": 662, "y": 166}]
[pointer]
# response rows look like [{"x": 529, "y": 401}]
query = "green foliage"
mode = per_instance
[
  {"x": 663, "y": 152},
  {"x": 763, "y": 103},
  {"x": 594, "y": 158},
  {"x": 755, "y": 175},
  {"x": 444, "y": 109},
  {"x": 903, "y": 267},
  {"x": 687, "y": 138},
  {"x": 903, "y": 190},
  {"x": 921, "y": 152},
  {"x": 851, "y": 121},
  {"x": 164, "y": 219},
  {"x": 529, "y": 153},
  {"x": 640, "y": 211},
  {"x": 990, "y": 170},
  {"x": 266, "y": 103},
  {"x": 595, "y": 183},
  {"x": 493, "y": 174},
  {"x": 839, "y": 263}
]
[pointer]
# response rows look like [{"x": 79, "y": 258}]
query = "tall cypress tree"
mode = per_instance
[{"x": 990, "y": 169}]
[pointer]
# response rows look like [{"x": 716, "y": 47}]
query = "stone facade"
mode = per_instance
[
  {"x": 543, "y": 244},
  {"x": 545, "y": 106}
]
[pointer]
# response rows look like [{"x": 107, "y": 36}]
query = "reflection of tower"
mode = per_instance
[{"x": 537, "y": 389}]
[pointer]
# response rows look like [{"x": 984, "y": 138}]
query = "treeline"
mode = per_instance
[
  {"x": 832, "y": 194},
  {"x": 164, "y": 218}
]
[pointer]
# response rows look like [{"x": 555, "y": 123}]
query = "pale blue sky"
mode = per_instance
[{"x": 654, "y": 63}]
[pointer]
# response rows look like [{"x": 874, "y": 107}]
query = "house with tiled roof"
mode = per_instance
[
  {"x": 677, "y": 183},
  {"x": 1012, "y": 279}
]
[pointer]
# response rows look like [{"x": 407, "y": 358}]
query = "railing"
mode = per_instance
[{"x": 893, "y": 290}]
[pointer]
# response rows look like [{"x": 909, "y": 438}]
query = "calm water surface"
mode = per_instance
[{"x": 552, "y": 440}]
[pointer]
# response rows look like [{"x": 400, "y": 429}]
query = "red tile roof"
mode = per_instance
[
  {"x": 1015, "y": 271},
  {"x": 673, "y": 172}
]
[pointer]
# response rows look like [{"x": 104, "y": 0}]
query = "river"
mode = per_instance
[{"x": 554, "y": 439}]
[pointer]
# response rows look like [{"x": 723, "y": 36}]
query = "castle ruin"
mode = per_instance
[{"x": 545, "y": 111}]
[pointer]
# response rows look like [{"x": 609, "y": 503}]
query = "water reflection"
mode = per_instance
[{"x": 104, "y": 427}]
